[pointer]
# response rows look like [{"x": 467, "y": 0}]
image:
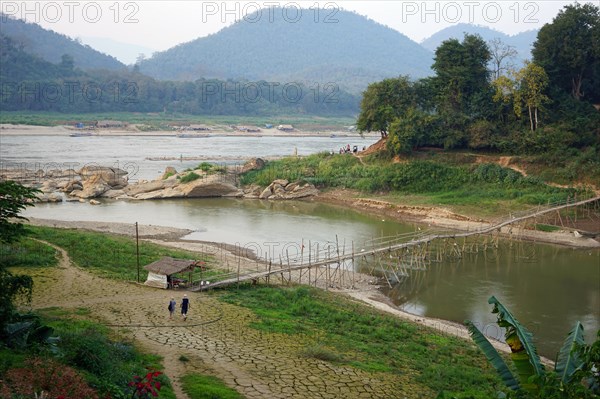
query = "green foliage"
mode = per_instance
[
  {"x": 52, "y": 46},
  {"x": 523, "y": 352},
  {"x": 14, "y": 198},
  {"x": 574, "y": 376},
  {"x": 572, "y": 65},
  {"x": 84, "y": 350},
  {"x": 445, "y": 183},
  {"x": 198, "y": 386},
  {"x": 383, "y": 102},
  {"x": 340, "y": 330},
  {"x": 568, "y": 359},
  {"x": 493, "y": 357},
  {"x": 190, "y": 177}
]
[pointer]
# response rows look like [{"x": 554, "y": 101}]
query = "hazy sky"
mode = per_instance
[{"x": 160, "y": 25}]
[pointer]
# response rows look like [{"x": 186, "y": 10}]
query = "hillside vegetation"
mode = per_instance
[
  {"x": 333, "y": 46},
  {"x": 51, "y": 46}
]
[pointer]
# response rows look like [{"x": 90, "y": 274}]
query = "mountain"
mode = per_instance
[
  {"x": 351, "y": 52},
  {"x": 127, "y": 53},
  {"x": 522, "y": 42},
  {"x": 51, "y": 46}
]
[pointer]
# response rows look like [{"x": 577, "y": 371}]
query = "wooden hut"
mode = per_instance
[{"x": 161, "y": 274}]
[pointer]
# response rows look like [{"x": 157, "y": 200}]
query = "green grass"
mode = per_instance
[
  {"x": 191, "y": 176},
  {"x": 478, "y": 188},
  {"x": 546, "y": 227},
  {"x": 353, "y": 334},
  {"x": 113, "y": 256},
  {"x": 27, "y": 253},
  {"x": 198, "y": 386}
]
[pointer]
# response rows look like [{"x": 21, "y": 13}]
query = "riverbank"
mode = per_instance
[{"x": 436, "y": 218}]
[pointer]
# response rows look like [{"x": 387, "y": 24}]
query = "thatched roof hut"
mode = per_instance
[{"x": 159, "y": 272}]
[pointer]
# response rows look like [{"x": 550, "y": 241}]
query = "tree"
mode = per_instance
[
  {"x": 67, "y": 64},
  {"x": 569, "y": 50},
  {"x": 14, "y": 198},
  {"x": 461, "y": 72},
  {"x": 501, "y": 53},
  {"x": 384, "y": 101},
  {"x": 533, "y": 81}
]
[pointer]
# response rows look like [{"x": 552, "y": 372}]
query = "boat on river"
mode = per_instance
[{"x": 81, "y": 134}]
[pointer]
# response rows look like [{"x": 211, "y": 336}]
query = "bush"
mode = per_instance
[
  {"x": 49, "y": 376},
  {"x": 189, "y": 177}
]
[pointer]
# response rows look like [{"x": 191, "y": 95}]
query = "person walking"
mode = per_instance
[
  {"x": 172, "y": 307},
  {"x": 185, "y": 305}
]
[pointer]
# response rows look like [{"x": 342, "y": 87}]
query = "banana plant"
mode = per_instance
[{"x": 524, "y": 355}]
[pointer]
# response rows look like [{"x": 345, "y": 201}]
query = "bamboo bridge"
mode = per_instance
[{"x": 391, "y": 258}]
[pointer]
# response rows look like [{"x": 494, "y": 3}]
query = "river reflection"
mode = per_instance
[{"x": 547, "y": 287}]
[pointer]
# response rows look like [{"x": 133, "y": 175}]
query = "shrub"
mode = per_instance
[
  {"x": 189, "y": 177},
  {"x": 50, "y": 376}
]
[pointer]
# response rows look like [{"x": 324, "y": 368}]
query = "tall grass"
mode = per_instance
[{"x": 473, "y": 181}]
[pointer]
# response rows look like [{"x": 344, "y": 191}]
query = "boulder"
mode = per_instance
[
  {"x": 111, "y": 176},
  {"x": 253, "y": 191},
  {"x": 169, "y": 171},
  {"x": 302, "y": 191},
  {"x": 146, "y": 187},
  {"x": 48, "y": 186},
  {"x": 93, "y": 187},
  {"x": 253, "y": 164},
  {"x": 94, "y": 202},
  {"x": 266, "y": 193},
  {"x": 281, "y": 189}
]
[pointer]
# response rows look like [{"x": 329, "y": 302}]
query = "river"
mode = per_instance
[
  {"x": 146, "y": 157},
  {"x": 547, "y": 287}
]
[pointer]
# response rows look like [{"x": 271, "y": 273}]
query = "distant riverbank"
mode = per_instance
[{"x": 17, "y": 130}]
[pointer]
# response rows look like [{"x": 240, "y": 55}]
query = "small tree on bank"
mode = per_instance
[{"x": 14, "y": 198}]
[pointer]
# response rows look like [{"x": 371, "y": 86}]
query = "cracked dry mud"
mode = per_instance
[{"x": 217, "y": 339}]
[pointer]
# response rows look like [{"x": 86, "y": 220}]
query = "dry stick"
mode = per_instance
[
  {"x": 309, "y": 259},
  {"x": 289, "y": 266},
  {"x": 301, "y": 260},
  {"x": 353, "y": 266},
  {"x": 238, "y": 271}
]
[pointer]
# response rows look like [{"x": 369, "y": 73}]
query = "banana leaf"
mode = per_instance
[
  {"x": 493, "y": 356},
  {"x": 524, "y": 355},
  {"x": 568, "y": 359}
]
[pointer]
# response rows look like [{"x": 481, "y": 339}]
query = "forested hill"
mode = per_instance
[
  {"x": 51, "y": 46},
  {"x": 522, "y": 42},
  {"x": 350, "y": 52}
]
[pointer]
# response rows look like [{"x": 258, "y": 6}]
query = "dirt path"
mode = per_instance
[{"x": 69, "y": 287}]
